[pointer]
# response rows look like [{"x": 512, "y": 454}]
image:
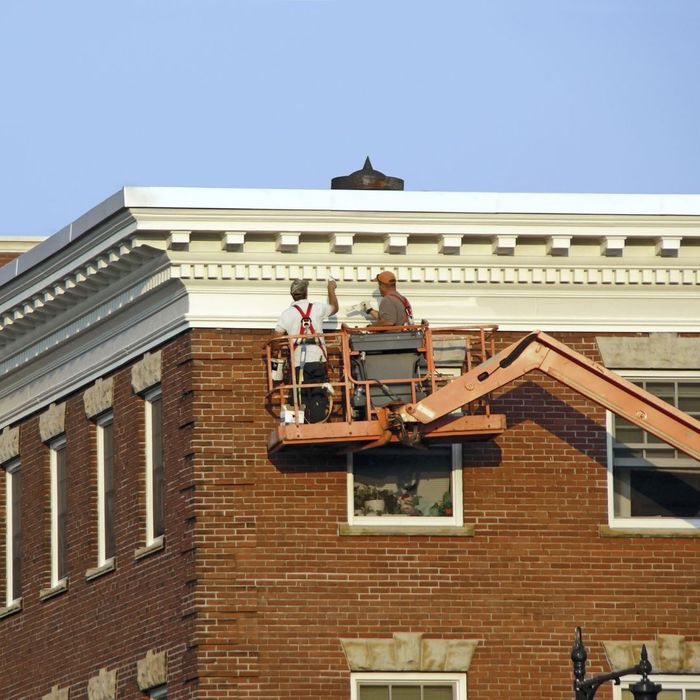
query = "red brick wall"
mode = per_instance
[
  {"x": 5, "y": 257},
  {"x": 255, "y": 586},
  {"x": 113, "y": 620},
  {"x": 281, "y": 587}
]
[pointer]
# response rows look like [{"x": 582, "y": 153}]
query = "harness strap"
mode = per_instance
[
  {"x": 306, "y": 327},
  {"x": 406, "y": 306}
]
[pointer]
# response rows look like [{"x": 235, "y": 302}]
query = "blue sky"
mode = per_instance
[{"x": 464, "y": 95}]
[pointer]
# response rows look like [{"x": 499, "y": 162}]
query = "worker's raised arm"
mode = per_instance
[{"x": 332, "y": 298}]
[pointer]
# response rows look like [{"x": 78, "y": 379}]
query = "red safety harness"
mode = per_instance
[
  {"x": 306, "y": 327},
  {"x": 406, "y": 306}
]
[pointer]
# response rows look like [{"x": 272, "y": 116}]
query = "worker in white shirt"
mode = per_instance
[{"x": 305, "y": 318}]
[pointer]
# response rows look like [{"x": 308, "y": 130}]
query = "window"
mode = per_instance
[
  {"x": 401, "y": 485},
  {"x": 651, "y": 484},
  {"x": 159, "y": 693},
  {"x": 13, "y": 533},
  {"x": 680, "y": 687},
  {"x": 404, "y": 686},
  {"x": 154, "y": 466},
  {"x": 58, "y": 511},
  {"x": 105, "y": 490}
]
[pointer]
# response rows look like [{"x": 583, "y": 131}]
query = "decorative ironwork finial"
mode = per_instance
[
  {"x": 644, "y": 664},
  {"x": 579, "y": 656},
  {"x": 645, "y": 689},
  {"x": 586, "y": 688}
]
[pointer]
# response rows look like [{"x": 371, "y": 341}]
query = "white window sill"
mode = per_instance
[
  {"x": 13, "y": 608},
  {"x": 101, "y": 570},
  {"x": 407, "y": 530},
  {"x": 157, "y": 545},
  {"x": 48, "y": 593},
  {"x": 631, "y": 531}
]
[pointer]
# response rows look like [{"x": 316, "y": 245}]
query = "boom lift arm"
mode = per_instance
[{"x": 542, "y": 352}]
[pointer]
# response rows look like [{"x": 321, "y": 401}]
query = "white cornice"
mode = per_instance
[
  {"x": 61, "y": 256},
  {"x": 204, "y": 203},
  {"x": 416, "y": 223},
  {"x": 95, "y": 218},
  {"x": 74, "y": 295},
  {"x": 19, "y": 244}
]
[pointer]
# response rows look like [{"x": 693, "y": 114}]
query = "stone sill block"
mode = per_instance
[
  {"x": 158, "y": 545},
  {"x": 98, "y": 571},
  {"x": 48, "y": 593},
  {"x": 606, "y": 531},
  {"x": 11, "y": 609},
  {"x": 407, "y": 530}
]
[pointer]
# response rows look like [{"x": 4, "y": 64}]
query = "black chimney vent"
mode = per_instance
[{"x": 366, "y": 179}]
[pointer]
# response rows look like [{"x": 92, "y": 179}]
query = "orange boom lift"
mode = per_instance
[{"x": 374, "y": 400}]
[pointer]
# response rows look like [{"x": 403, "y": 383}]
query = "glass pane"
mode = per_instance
[
  {"x": 664, "y": 493},
  {"x": 61, "y": 496},
  {"x": 655, "y": 454},
  {"x": 403, "y": 482},
  {"x": 689, "y": 398},
  {"x": 627, "y": 432},
  {"x": 16, "y": 481},
  {"x": 405, "y": 692},
  {"x": 663, "y": 695},
  {"x": 374, "y": 692},
  {"x": 664, "y": 390},
  {"x": 628, "y": 453},
  {"x": 692, "y": 695},
  {"x": 108, "y": 479},
  {"x": 157, "y": 464},
  {"x": 669, "y": 695},
  {"x": 437, "y": 692}
]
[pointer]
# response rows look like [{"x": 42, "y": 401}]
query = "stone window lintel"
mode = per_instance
[
  {"x": 103, "y": 686},
  {"x": 409, "y": 651},
  {"x": 668, "y": 653},
  {"x": 146, "y": 373},
  {"x": 98, "y": 398},
  {"x": 152, "y": 670},
  {"x": 9, "y": 444},
  {"x": 52, "y": 422}
]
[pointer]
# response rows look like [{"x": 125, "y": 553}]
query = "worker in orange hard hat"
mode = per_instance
[{"x": 394, "y": 308}]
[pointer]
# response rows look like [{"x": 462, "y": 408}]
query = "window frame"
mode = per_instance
[
  {"x": 159, "y": 693},
  {"x": 104, "y": 421},
  {"x": 57, "y": 446},
  {"x": 454, "y": 520},
  {"x": 458, "y": 681},
  {"x": 644, "y": 522},
  {"x": 668, "y": 681},
  {"x": 152, "y": 538},
  {"x": 12, "y": 470}
]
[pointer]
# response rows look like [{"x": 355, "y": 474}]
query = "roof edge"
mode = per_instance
[
  {"x": 414, "y": 201},
  {"x": 62, "y": 238}
]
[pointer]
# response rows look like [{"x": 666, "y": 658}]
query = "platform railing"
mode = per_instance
[{"x": 444, "y": 354}]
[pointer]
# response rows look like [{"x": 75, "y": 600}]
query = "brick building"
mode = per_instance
[{"x": 151, "y": 547}]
